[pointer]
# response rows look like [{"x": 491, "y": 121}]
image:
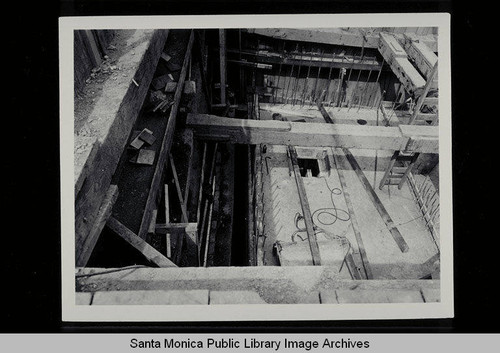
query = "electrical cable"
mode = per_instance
[{"x": 333, "y": 212}]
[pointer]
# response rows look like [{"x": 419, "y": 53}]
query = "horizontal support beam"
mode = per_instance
[
  {"x": 162, "y": 228},
  {"x": 243, "y": 131},
  {"x": 339, "y": 36},
  {"x": 336, "y": 36},
  {"x": 431, "y": 101},
  {"x": 313, "y": 60}
]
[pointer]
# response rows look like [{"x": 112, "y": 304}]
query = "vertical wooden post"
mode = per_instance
[{"x": 222, "y": 57}]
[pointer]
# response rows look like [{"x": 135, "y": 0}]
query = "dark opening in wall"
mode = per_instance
[{"x": 308, "y": 164}]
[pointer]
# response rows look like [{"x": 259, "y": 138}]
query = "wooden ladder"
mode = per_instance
[
  {"x": 399, "y": 167},
  {"x": 424, "y": 118}
]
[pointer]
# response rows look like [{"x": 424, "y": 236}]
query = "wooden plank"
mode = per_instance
[
  {"x": 319, "y": 104},
  {"x": 178, "y": 188},
  {"x": 352, "y": 266},
  {"x": 431, "y": 266},
  {"x": 150, "y": 253},
  {"x": 167, "y": 205},
  {"x": 222, "y": 64},
  {"x": 209, "y": 224},
  {"x": 319, "y": 278},
  {"x": 398, "y": 238},
  {"x": 166, "y": 143},
  {"x": 426, "y": 116},
  {"x": 431, "y": 101},
  {"x": 296, "y": 58},
  {"x": 168, "y": 245},
  {"x": 396, "y": 57},
  {"x": 306, "y": 211},
  {"x": 423, "y": 141},
  {"x": 336, "y": 36},
  {"x": 152, "y": 225},
  {"x": 84, "y": 250},
  {"x": 188, "y": 177},
  {"x": 375, "y": 200},
  {"x": 163, "y": 228},
  {"x": 244, "y": 131},
  {"x": 420, "y": 53},
  {"x": 361, "y": 247}
]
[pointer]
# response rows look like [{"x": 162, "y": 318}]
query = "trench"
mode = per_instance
[{"x": 219, "y": 178}]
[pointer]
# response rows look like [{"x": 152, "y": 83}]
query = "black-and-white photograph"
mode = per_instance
[{"x": 252, "y": 168}]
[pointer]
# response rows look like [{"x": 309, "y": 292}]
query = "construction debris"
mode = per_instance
[
  {"x": 139, "y": 138},
  {"x": 160, "y": 81},
  {"x": 145, "y": 157},
  {"x": 166, "y": 57}
]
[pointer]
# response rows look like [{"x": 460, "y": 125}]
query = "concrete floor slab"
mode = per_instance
[{"x": 281, "y": 205}]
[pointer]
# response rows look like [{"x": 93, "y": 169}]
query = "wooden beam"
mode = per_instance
[
  {"x": 375, "y": 199},
  {"x": 267, "y": 58},
  {"x": 398, "y": 238},
  {"x": 421, "y": 54},
  {"x": 188, "y": 177},
  {"x": 152, "y": 224},
  {"x": 84, "y": 250},
  {"x": 167, "y": 205},
  {"x": 351, "y": 265},
  {"x": 361, "y": 247},
  {"x": 352, "y": 37},
  {"x": 150, "y": 253},
  {"x": 246, "y": 131},
  {"x": 222, "y": 62},
  {"x": 319, "y": 104},
  {"x": 397, "y": 58},
  {"x": 336, "y": 36},
  {"x": 166, "y": 142},
  {"x": 306, "y": 211}
]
